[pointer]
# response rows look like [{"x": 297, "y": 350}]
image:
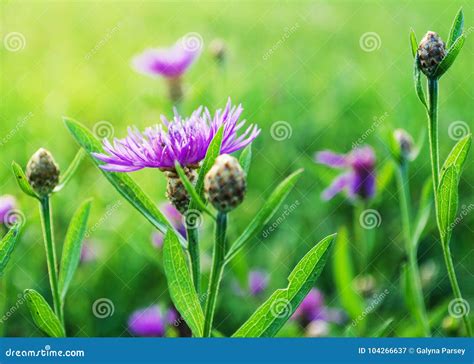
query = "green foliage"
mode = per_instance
[
  {"x": 7, "y": 244},
  {"x": 448, "y": 202},
  {"x": 43, "y": 316},
  {"x": 456, "y": 29},
  {"x": 245, "y": 158},
  {"x": 450, "y": 57},
  {"x": 22, "y": 181}
]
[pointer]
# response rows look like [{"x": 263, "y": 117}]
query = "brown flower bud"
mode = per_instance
[
  {"x": 175, "y": 190},
  {"x": 431, "y": 52},
  {"x": 42, "y": 172}
]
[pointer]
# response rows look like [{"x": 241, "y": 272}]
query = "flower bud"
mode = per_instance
[
  {"x": 405, "y": 144},
  {"x": 431, "y": 52},
  {"x": 218, "y": 50},
  {"x": 42, "y": 172},
  {"x": 175, "y": 190},
  {"x": 175, "y": 89},
  {"x": 225, "y": 183}
]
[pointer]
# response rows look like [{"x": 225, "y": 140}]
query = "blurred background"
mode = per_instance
[{"x": 324, "y": 73}]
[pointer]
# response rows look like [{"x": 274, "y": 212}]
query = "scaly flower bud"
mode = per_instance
[
  {"x": 225, "y": 183},
  {"x": 431, "y": 52},
  {"x": 42, "y": 172},
  {"x": 405, "y": 143},
  {"x": 175, "y": 190}
]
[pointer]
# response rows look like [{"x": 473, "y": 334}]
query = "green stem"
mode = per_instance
[
  {"x": 434, "y": 151},
  {"x": 411, "y": 247},
  {"x": 46, "y": 220},
  {"x": 193, "y": 248},
  {"x": 216, "y": 272}
]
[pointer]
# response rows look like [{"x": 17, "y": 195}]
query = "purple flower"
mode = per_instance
[
  {"x": 168, "y": 62},
  {"x": 7, "y": 205},
  {"x": 88, "y": 252},
  {"x": 358, "y": 180},
  {"x": 184, "y": 141},
  {"x": 149, "y": 321},
  {"x": 312, "y": 308},
  {"x": 175, "y": 218},
  {"x": 258, "y": 282}
]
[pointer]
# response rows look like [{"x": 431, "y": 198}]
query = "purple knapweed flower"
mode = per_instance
[
  {"x": 311, "y": 308},
  {"x": 258, "y": 282},
  {"x": 176, "y": 220},
  {"x": 169, "y": 62},
  {"x": 150, "y": 321},
  {"x": 7, "y": 205},
  {"x": 359, "y": 180},
  {"x": 183, "y": 141}
]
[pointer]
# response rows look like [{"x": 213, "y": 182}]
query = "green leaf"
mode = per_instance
[
  {"x": 384, "y": 329},
  {"x": 66, "y": 176},
  {"x": 344, "y": 276},
  {"x": 122, "y": 182},
  {"x": 180, "y": 284},
  {"x": 43, "y": 316},
  {"x": 22, "y": 181},
  {"x": 456, "y": 29},
  {"x": 450, "y": 57},
  {"x": 7, "y": 244},
  {"x": 274, "y": 312},
  {"x": 408, "y": 289},
  {"x": 448, "y": 202},
  {"x": 245, "y": 158},
  {"x": 201, "y": 205},
  {"x": 458, "y": 154},
  {"x": 413, "y": 43},
  {"x": 424, "y": 212},
  {"x": 265, "y": 214},
  {"x": 418, "y": 86},
  {"x": 384, "y": 176},
  {"x": 72, "y": 246}
]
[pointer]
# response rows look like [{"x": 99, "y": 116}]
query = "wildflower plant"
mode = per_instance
[
  {"x": 41, "y": 180},
  {"x": 203, "y": 144},
  {"x": 433, "y": 58}
]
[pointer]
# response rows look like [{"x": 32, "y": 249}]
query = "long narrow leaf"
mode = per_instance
[
  {"x": 458, "y": 154},
  {"x": 418, "y": 86},
  {"x": 245, "y": 158},
  {"x": 424, "y": 212},
  {"x": 456, "y": 29},
  {"x": 180, "y": 284},
  {"x": 43, "y": 316},
  {"x": 7, "y": 244},
  {"x": 264, "y": 215},
  {"x": 66, "y": 176},
  {"x": 450, "y": 57},
  {"x": 72, "y": 246},
  {"x": 22, "y": 181},
  {"x": 274, "y": 312},
  {"x": 448, "y": 202},
  {"x": 413, "y": 43}
]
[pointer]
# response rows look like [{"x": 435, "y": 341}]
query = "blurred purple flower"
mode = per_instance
[
  {"x": 258, "y": 282},
  {"x": 150, "y": 321},
  {"x": 168, "y": 62},
  {"x": 88, "y": 252},
  {"x": 359, "y": 180},
  {"x": 184, "y": 141},
  {"x": 7, "y": 205},
  {"x": 175, "y": 218}
]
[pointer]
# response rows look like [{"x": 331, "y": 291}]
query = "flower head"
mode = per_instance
[
  {"x": 405, "y": 144},
  {"x": 358, "y": 180},
  {"x": 42, "y": 172},
  {"x": 7, "y": 205},
  {"x": 258, "y": 282},
  {"x": 431, "y": 52},
  {"x": 167, "y": 62},
  {"x": 150, "y": 321},
  {"x": 180, "y": 140}
]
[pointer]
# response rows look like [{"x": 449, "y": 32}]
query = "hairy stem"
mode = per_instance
[
  {"x": 193, "y": 248},
  {"x": 46, "y": 220},
  {"x": 411, "y": 247},
  {"x": 216, "y": 272}
]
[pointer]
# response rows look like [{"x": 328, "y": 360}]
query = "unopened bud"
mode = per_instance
[
  {"x": 431, "y": 52},
  {"x": 42, "y": 172},
  {"x": 225, "y": 183},
  {"x": 175, "y": 190},
  {"x": 405, "y": 143},
  {"x": 218, "y": 50}
]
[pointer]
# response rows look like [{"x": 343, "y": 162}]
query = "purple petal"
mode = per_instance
[
  {"x": 331, "y": 159},
  {"x": 339, "y": 184}
]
